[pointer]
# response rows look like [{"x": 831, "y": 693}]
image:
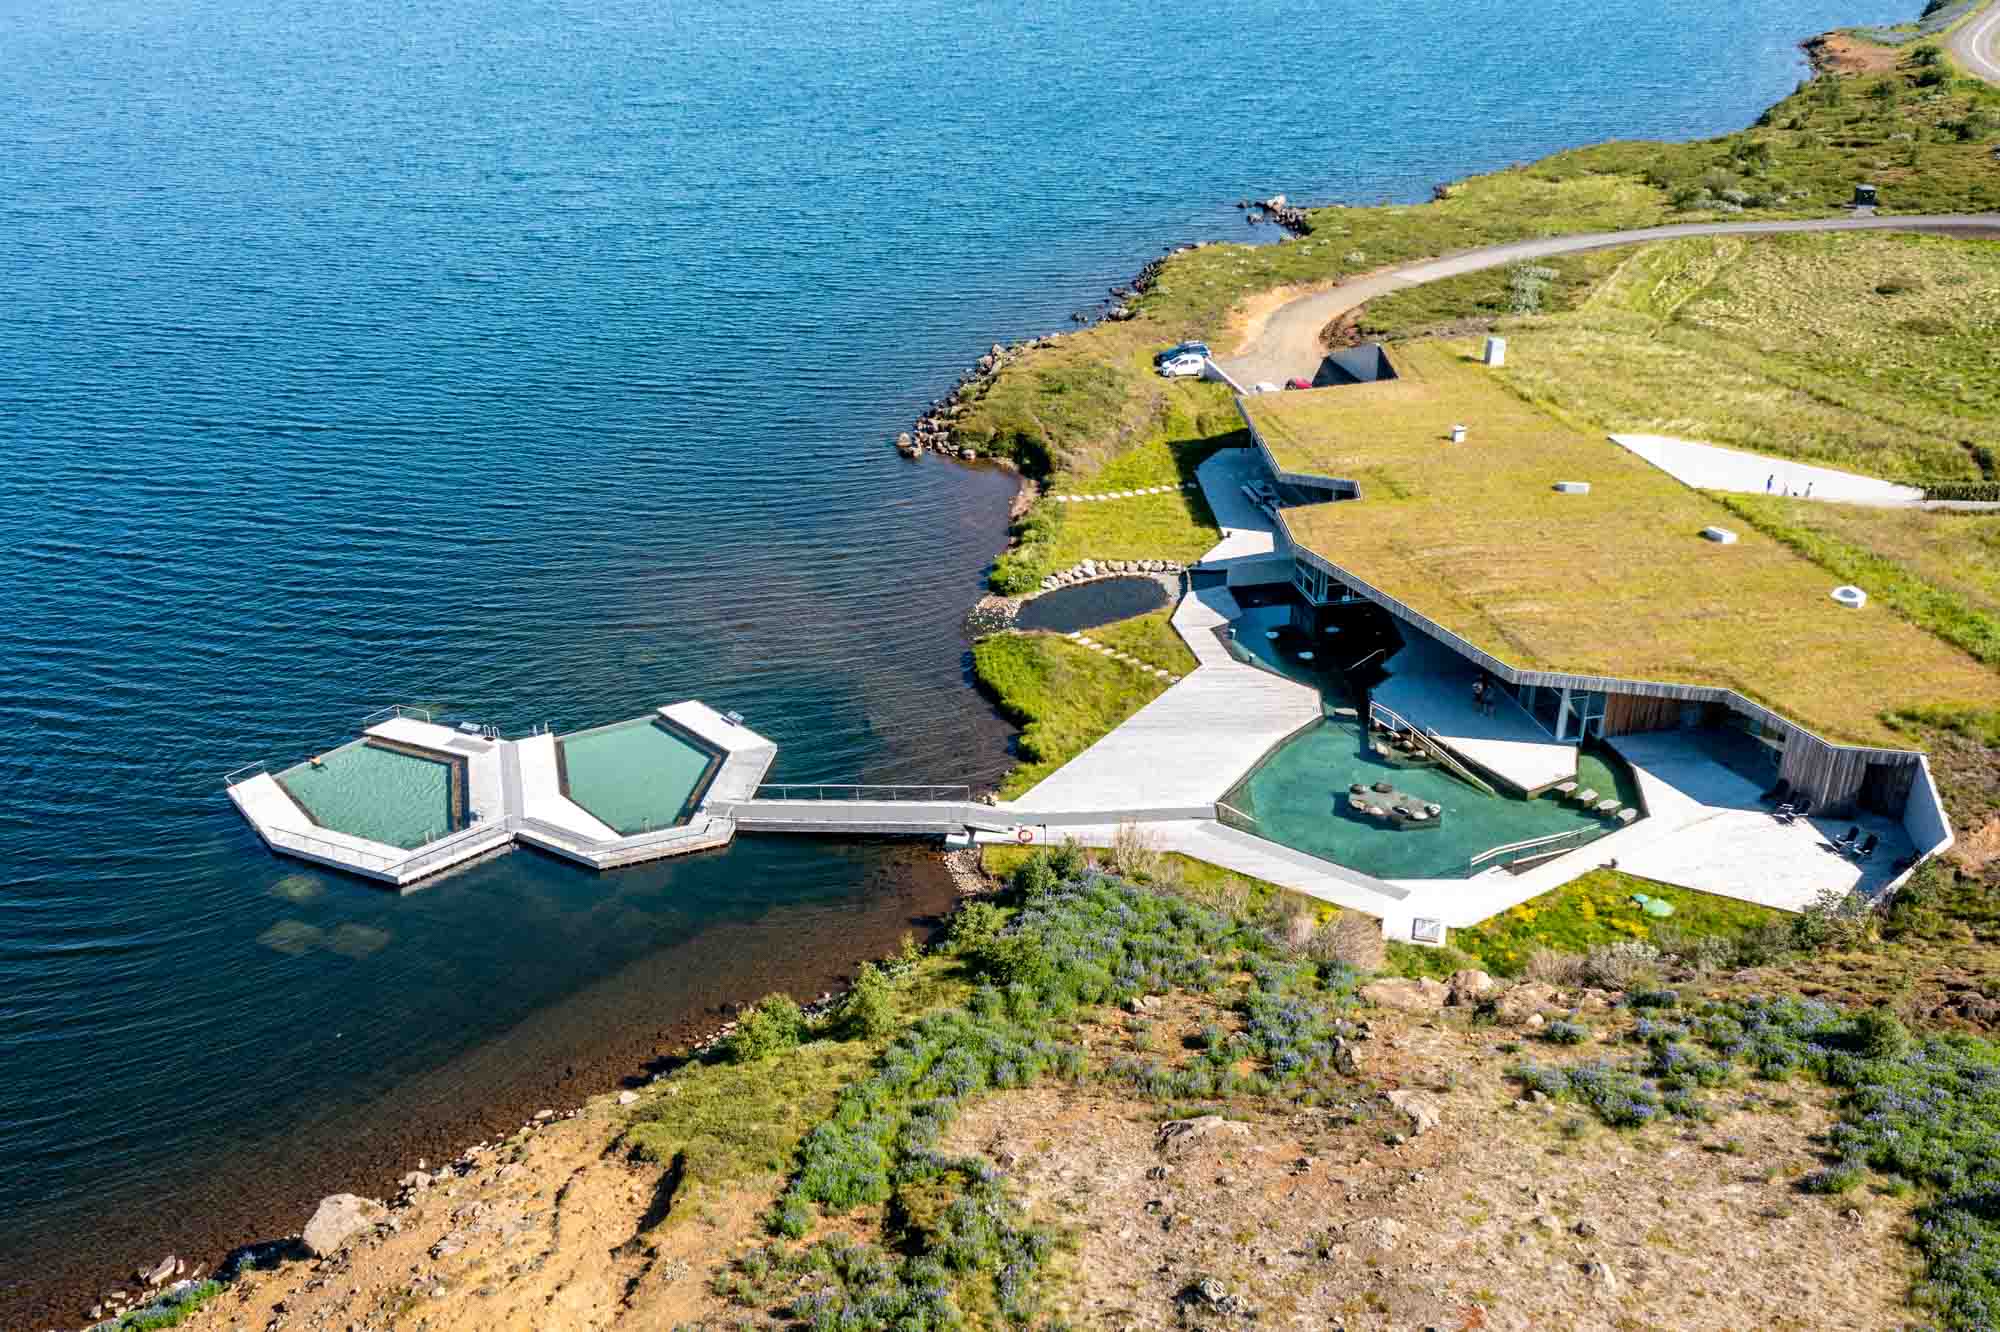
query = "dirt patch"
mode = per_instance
[
  {"x": 1838, "y": 53},
  {"x": 1500, "y": 1217},
  {"x": 1245, "y": 322}
]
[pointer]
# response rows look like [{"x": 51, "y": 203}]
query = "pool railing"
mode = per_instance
[
  {"x": 1545, "y": 843},
  {"x": 395, "y": 710},
  {"x": 244, "y": 773},
  {"x": 855, "y": 791}
]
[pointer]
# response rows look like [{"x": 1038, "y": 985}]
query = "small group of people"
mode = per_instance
[{"x": 1483, "y": 691}]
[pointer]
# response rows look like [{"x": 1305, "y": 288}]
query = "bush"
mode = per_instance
[
  {"x": 1830, "y": 1179},
  {"x": 775, "y": 1024},
  {"x": 1622, "y": 965},
  {"x": 1983, "y": 491},
  {"x": 976, "y": 925},
  {"x": 1563, "y": 1032},
  {"x": 869, "y": 1010},
  {"x": 1880, "y": 1034},
  {"x": 1553, "y": 967}
]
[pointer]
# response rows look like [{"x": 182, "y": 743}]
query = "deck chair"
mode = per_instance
[
  {"x": 1778, "y": 794},
  {"x": 1867, "y": 847},
  {"x": 1847, "y": 839},
  {"x": 1793, "y": 812}
]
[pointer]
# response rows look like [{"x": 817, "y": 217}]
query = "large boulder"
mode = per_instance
[
  {"x": 1182, "y": 1137},
  {"x": 1421, "y": 1110},
  {"x": 1469, "y": 987},
  {"x": 338, "y": 1219},
  {"x": 1518, "y": 1003},
  {"x": 1416, "y": 996}
]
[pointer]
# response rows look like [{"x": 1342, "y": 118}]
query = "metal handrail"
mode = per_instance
[
  {"x": 395, "y": 710},
  {"x": 1429, "y": 741},
  {"x": 940, "y": 793},
  {"x": 1529, "y": 843},
  {"x": 1365, "y": 660},
  {"x": 340, "y": 850},
  {"x": 1223, "y": 804},
  {"x": 231, "y": 777},
  {"x": 452, "y": 843}
]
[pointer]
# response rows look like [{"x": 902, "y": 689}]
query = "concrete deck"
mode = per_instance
[
  {"x": 514, "y": 793},
  {"x": 1186, "y": 748},
  {"x": 1710, "y": 467},
  {"x": 1431, "y": 687},
  {"x": 1711, "y": 832},
  {"x": 1248, "y": 533}
]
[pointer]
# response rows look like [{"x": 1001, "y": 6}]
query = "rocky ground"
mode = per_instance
[{"x": 1435, "y": 1197}]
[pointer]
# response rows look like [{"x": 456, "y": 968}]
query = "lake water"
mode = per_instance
[{"x": 536, "y": 360}]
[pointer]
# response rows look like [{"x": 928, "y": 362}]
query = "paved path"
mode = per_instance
[
  {"x": 1710, "y": 467},
  {"x": 1289, "y": 343},
  {"x": 1976, "y": 44}
]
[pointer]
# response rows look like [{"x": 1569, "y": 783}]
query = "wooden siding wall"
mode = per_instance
[
  {"x": 1626, "y": 714},
  {"x": 1837, "y": 777}
]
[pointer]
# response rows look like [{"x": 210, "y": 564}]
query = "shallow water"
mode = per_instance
[
  {"x": 375, "y": 792},
  {"x": 1088, "y": 605},
  {"x": 1298, "y": 797},
  {"x": 538, "y": 362}
]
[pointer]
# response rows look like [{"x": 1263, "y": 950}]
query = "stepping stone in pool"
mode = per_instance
[{"x": 1606, "y": 806}]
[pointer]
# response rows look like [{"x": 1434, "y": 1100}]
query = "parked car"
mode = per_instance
[
  {"x": 1297, "y": 383},
  {"x": 1263, "y": 386},
  {"x": 1180, "y": 349},
  {"x": 1183, "y": 367}
]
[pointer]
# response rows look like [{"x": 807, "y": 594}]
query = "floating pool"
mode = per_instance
[
  {"x": 369, "y": 790},
  {"x": 1297, "y": 798},
  {"x": 634, "y": 775}
]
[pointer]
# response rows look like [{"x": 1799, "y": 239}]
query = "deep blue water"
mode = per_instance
[{"x": 535, "y": 359}]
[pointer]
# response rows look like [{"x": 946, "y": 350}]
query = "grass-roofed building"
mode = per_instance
[{"x": 1602, "y": 613}]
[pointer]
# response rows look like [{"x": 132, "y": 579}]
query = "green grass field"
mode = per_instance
[
  {"x": 1071, "y": 408},
  {"x": 1065, "y": 697},
  {"x": 1877, "y": 353},
  {"x": 1150, "y": 638}
]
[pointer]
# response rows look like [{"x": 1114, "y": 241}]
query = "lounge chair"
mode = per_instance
[
  {"x": 1867, "y": 847},
  {"x": 1779, "y": 794},
  {"x": 1793, "y": 812},
  {"x": 1847, "y": 839}
]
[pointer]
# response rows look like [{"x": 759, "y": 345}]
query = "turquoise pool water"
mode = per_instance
[
  {"x": 1297, "y": 797},
  {"x": 382, "y": 794},
  {"x": 634, "y": 775}
]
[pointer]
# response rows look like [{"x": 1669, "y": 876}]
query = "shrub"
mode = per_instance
[
  {"x": 1653, "y": 998},
  {"x": 1622, "y": 965},
  {"x": 1135, "y": 852},
  {"x": 974, "y": 926},
  {"x": 1563, "y": 1032},
  {"x": 1351, "y": 939},
  {"x": 773, "y": 1025},
  {"x": 869, "y": 1010},
  {"x": 1552, "y": 967},
  {"x": 1830, "y": 1179},
  {"x": 1880, "y": 1034}
]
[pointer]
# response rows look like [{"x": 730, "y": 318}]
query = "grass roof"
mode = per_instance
[{"x": 1618, "y": 582}]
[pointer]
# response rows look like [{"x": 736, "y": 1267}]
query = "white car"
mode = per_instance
[{"x": 1183, "y": 367}]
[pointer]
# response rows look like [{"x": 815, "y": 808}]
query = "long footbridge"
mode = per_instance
[{"x": 861, "y": 809}]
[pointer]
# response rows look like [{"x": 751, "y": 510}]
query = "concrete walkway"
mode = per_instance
[
  {"x": 1711, "y": 467},
  {"x": 1187, "y": 747},
  {"x": 1248, "y": 533},
  {"x": 1289, "y": 343}
]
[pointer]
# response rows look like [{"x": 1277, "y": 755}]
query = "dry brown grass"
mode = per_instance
[{"x": 1617, "y": 582}]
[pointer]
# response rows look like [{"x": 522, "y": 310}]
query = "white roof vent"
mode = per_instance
[
  {"x": 1850, "y": 596},
  {"x": 1572, "y": 487},
  {"x": 1721, "y": 536}
]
